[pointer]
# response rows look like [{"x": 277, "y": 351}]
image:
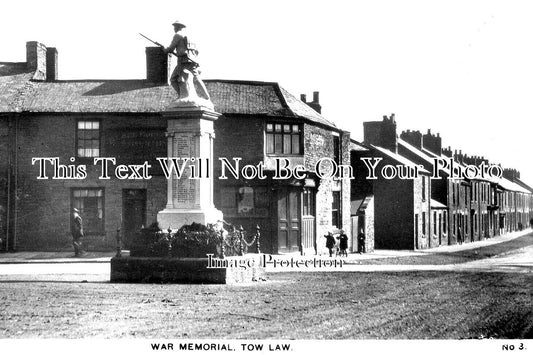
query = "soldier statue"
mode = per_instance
[{"x": 185, "y": 78}]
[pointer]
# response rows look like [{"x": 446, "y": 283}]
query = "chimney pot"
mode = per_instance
[
  {"x": 316, "y": 98},
  {"x": 303, "y": 97}
]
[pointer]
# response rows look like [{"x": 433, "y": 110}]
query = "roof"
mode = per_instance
[
  {"x": 436, "y": 204},
  {"x": 360, "y": 205},
  {"x": 416, "y": 151},
  {"x": 511, "y": 186},
  {"x": 14, "y": 82},
  {"x": 523, "y": 184},
  {"x": 399, "y": 159},
  {"x": 357, "y": 146},
  {"x": 18, "y": 93}
]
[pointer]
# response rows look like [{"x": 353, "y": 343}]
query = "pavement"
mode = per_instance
[{"x": 67, "y": 257}]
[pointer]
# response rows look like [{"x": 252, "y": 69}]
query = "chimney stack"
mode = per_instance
[
  {"x": 432, "y": 142},
  {"x": 36, "y": 59},
  {"x": 157, "y": 65},
  {"x": 51, "y": 64},
  {"x": 315, "y": 104},
  {"x": 382, "y": 133},
  {"x": 412, "y": 137}
]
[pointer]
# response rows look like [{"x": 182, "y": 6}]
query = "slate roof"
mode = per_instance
[
  {"x": 18, "y": 93},
  {"x": 360, "y": 205},
  {"x": 14, "y": 83},
  {"x": 415, "y": 151},
  {"x": 398, "y": 158}
]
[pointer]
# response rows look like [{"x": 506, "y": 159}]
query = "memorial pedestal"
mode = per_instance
[{"x": 190, "y": 138}]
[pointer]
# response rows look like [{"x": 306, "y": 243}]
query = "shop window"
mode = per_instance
[
  {"x": 88, "y": 139},
  {"x": 90, "y": 203},
  {"x": 283, "y": 139},
  {"x": 245, "y": 200}
]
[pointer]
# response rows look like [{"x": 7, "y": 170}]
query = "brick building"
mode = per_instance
[
  {"x": 402, "y": 206},
  {"x": 78, "y": 120}
]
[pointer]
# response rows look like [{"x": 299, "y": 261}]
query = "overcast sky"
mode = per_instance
[{"x": 463, "y": 69}]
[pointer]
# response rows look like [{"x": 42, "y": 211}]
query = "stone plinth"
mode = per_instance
[
  {"x": 190, "y": 138},
  {"x": 186, "y": 270}
]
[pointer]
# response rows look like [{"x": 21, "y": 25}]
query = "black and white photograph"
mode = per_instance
[{"x": 266, "y": 176}]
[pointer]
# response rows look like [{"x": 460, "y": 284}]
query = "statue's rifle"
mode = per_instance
[{"x": 156, "y": 43}]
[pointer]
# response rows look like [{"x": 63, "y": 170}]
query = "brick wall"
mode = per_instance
[
  {"x": 393, "y": 221},
  {"x": 43, "y": 206},
  {"x": 4, "y": 139},
  {"x": 369, "y": 227},
  {"x": 421, "y": 205}
]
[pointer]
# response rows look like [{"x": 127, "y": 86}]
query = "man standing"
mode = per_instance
[
  {"x": 361, "y": 241},
  {"x": 186, "y": 74},
  {"x": 76, "y": 228}
]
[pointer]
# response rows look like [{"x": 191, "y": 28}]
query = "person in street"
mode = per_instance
[
  {"x": 185, "y": 78},
  {"x": 361, "y": 241},
  {"x": 330, "y": 243},
  {"x": 76, "y": 228},
  {"x": 343, "y": 243}
]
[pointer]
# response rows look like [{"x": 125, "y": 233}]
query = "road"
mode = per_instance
[{"x": 515, "y": 260}]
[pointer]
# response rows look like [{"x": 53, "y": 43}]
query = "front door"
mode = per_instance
[
  {"x": 133, "y": 214},
  {"x": 288, "y": 220}
]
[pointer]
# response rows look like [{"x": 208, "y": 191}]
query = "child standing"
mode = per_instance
[
  {"x": 330, "y": 243},
  {"x": 343, "y": 244}
]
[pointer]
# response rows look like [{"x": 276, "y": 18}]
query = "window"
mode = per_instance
[
  {"x": 90, "y": 203},
  {"x": 444, "y": 219},
  {"x": 336, "y": 210},
  {"x": 435, "y": 223},
  {"x": 337, "y": 150},
  {"x": 416, "y": 225},
  {"x": 88, "y": 139},
  {"x": 308, "y": 202},
  {"x": 283, "y": 139},
  {"x": 244, "y": 200}
]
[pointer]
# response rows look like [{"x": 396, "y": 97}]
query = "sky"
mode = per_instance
[{"x": 463, "y": 69}]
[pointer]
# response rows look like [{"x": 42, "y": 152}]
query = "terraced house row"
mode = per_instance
[{"x": 69, "y": 123}]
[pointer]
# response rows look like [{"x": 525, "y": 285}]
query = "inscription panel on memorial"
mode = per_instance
[{"x": 184, "y": 188}]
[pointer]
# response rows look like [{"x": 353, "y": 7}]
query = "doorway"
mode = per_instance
[
  {"x": 133, "y": 214},
  {"x": 288, "y": 220}
]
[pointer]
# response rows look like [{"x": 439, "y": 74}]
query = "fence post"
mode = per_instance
[
  {"x": 258, "y": 236},
  {"x": 241, "y": 240},
  {"x": 222, "y": 242},
  {"x": 119, "y": 244}
]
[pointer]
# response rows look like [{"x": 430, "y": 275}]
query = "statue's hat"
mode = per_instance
[{"x": 178, "y": 23}]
